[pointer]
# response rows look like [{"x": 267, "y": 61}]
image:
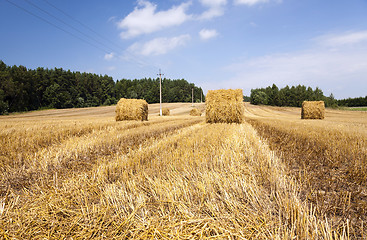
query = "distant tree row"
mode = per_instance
[
  {"x": 289, "y": 96},
  {"x": 353, "y": 102},
  {"x": 246, "y": 98},
  {"x": 172, "y": 90},
  {"x": 23, "y": 89}
]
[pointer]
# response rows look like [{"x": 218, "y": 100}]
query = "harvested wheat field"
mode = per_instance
[
  {"x": 328, "y": 159},
  {"x": 77, "y": 174}
]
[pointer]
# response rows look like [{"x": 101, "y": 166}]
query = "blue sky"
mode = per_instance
[{"x": 212, "y": 43}]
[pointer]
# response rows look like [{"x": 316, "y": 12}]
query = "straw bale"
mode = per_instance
[
  {"x": 166, "y": 112},
  {"x": 224, "y": 106},
  {"x": 195, "y": 112},
  {"x": 313, "y": 110},
  {"x": 132, "y": 109}
]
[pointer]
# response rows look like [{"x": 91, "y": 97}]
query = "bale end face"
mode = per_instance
[
  {"x": 313, "y": 110},
  {"x": 131, "y": 109},
  {"x": 195, "y": 112},
  {"x": 166, "y": 112},
  {"x": 224, "y": 106}
]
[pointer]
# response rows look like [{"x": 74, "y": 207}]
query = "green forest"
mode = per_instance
[
  {"x": 295, "y": 95},
  {"x": 23, "y": 89}
]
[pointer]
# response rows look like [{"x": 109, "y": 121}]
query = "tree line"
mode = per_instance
[
  {"x": 295, "y": 95},
  {"x": 353, "y": 102},
  {"x": 23, "y": 89},
  {"x": 289, "y": 96}
]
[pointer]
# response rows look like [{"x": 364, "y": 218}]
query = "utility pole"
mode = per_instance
[
  {"x": 160, "y": 92},
  {"x": 192, "y": 96}
]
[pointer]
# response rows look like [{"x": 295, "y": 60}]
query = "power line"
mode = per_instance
[
  {"x": 54, "y": 25},
  {"x": 82, "y": 24},
  {"x": 67, "y": 24},
  {"x": 134, "y": 58},
  {"x": 131, "y": 58}
]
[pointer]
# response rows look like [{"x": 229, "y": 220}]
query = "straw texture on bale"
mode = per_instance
[
  {"x": 224, "y": 106},
  {"x": 132, "y": 109},
  {"x": 313, "y": 110},
  {"x": 166, "y": 112},
  {"x": 195, "y": 112}
]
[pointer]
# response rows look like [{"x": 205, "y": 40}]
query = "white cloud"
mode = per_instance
[
  {"x": 350, "y": 38},
  {"x": 206, "y": 34},
  {"x": 212, "y": 13},
  {"x": 111, "y": 68},
  {"x": 213, "y": 3},
  {"x": 340, "y": 70},
  {"x": 252, "y": 2},
  {"x": 109, "y": 56},
  {"x": 144, "y": 19},
  {"x": 215, "y": 8},
  {"x": 159, "y": 46}
]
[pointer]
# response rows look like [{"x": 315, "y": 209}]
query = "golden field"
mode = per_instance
[{"x": 79, "y": 174}]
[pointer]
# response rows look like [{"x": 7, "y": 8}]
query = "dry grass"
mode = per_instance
[
  {"x": 31, "y": 151},
  {"x": 328, "y": 159},
  {"x": 313, "y": 110},
  {"x": 131, "y": 109},
  {"x": 169, "y": 178},
  {"x": 176, "y": 109},
  {"x": 224, "y": 106}
]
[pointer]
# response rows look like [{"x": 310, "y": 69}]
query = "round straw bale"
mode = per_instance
[
  {"x": 224, "y": 106},
  {"x": 166, "y": 112},
  {"x": 195, "y": 112},
  {"x": 313, "y": 110},
  {"x": 132, "y": 109}
]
